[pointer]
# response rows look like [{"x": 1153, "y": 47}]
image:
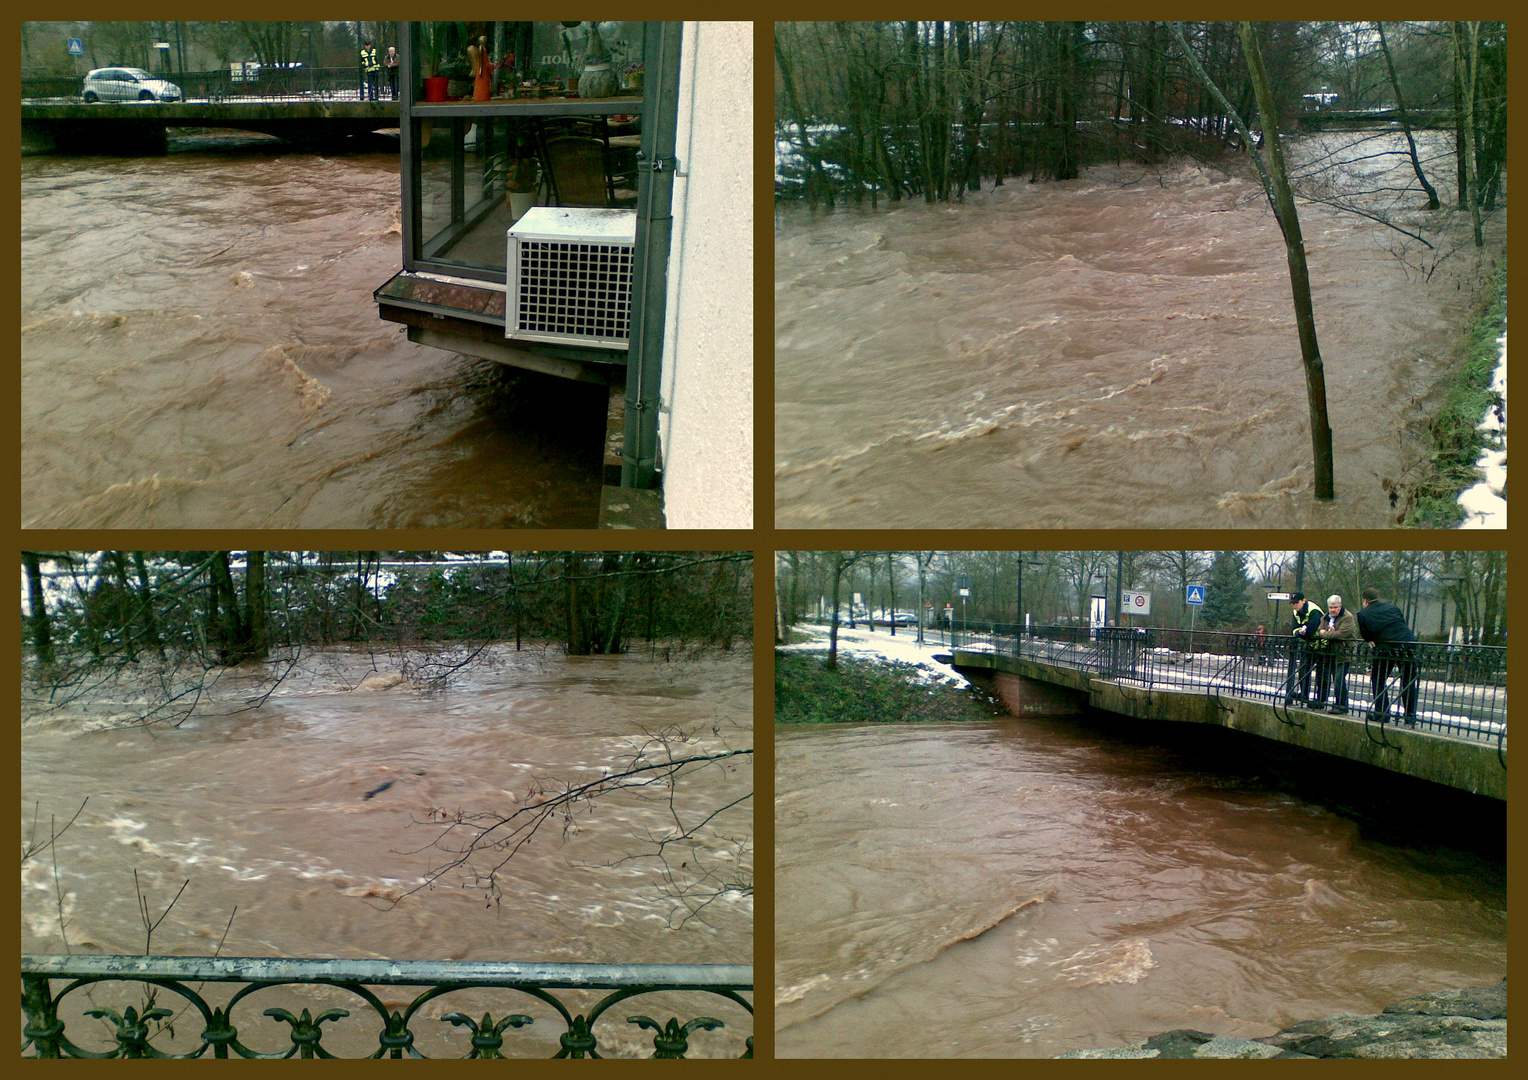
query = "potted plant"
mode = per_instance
[
  {"x": 459, "y": 72},
  {"x": 435, "y": 84},
  {"x": 634, "y": 78},
  {"x": 522, "y": 178},
  {"x": 546, "y": 80}
]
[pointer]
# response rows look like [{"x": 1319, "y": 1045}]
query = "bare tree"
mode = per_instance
[
  {"x": 1276, "y": 186},
  {"x": 1400, "y": 106}
]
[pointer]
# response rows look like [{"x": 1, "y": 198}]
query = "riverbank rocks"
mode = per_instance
[{"x": 1468, "y": 1023}]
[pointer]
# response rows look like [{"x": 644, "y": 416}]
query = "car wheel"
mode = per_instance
[
  {"x": 91, "y": 97},
  {"x": 147, "y": 95}
]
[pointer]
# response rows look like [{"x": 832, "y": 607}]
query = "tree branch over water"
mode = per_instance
[{"x": 480, "y": 844}]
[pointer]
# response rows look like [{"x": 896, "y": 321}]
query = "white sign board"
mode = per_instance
[
  {"x": 1195, "y": 595},
  {"x": 1098, "y": 614},
  {"x": 1276, "y": 597},
  {"x": 964, "y": 592},
  {"x": 1134, "y": 603}
]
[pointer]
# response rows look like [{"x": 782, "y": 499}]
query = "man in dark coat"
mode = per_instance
[
  {"x": 1383, "y": 624},
  {"x": 1301, "y": 658}
]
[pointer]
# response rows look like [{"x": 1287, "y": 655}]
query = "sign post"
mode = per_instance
[
  {"x": 1194, "y": 598},
  {"x": 1277, "y": 598}
]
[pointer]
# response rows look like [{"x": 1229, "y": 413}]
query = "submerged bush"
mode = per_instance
[{"x": 867, "y": 691}]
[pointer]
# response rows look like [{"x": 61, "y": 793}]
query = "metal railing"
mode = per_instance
[
  {"x": 133, "y": 1031},
  {"x": 1457, "y": 690},
  {"x": 220, "y": 85}
]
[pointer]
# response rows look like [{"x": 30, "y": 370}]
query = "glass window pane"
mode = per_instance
[
  {"x": 504, "y": 60},
  {"x": 509, "y": 142}
]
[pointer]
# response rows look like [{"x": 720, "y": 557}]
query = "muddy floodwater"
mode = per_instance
[
  {"x": 1025, "y": 888},
  {"x": 200, "y": 349},
  {"x": 1117, "y": 351},
  {"x": 265, "y": 810}
]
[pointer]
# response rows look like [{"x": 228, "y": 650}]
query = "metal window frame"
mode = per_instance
[{"x": 656, "y": 165}]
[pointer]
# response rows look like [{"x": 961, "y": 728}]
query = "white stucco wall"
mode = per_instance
[{"x": 706, "y": 423}]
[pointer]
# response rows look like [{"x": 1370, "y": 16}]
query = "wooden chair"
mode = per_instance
[{"x": 578, "y": 171}]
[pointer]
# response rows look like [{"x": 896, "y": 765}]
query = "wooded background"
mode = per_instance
[
  {"x": 1435, "y": 589},
  {"x": 227, "y": 607},
  {"x": 903, "y": 109}
]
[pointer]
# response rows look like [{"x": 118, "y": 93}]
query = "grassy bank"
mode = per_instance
[
  {"x": 1432, "y": 502},
  {"x": 866, "y": 691}
]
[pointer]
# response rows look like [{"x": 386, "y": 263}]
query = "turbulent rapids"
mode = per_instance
[
  {"x": 1025, "y": 888},
  {"x": 1116, "y": 350}
]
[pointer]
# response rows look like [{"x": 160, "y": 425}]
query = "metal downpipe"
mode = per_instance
[{"x": 655, "y": 223}]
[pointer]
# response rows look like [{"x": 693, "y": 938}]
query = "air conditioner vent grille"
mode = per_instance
[
  {"x": 570, "y": 276},
  {"x": 581, "y": 290}
]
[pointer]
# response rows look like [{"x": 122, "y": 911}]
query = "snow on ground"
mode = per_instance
[
  {"x": 903, "y": 649},
  {"x": 1484, "y": 504}
]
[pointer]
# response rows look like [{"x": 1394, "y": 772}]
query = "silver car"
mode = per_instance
[{"x": 127, "y": 84}]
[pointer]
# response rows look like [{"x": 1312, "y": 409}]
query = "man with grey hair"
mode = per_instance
[{"x": 1339, "y": 630}]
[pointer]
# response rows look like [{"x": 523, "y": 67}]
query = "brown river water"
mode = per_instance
[
  {"x": 200, "y": 349},
  {"x": 1150, "y": 887},
  {"x": 264, "y": 809},
  {"x": 1118, "y": 351}
]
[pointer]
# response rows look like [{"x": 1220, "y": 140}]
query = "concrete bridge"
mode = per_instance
[
  {"x": 1351, "y": 120},
  {"x": 1043, "y": 686},
  {"x": 140, "y": 127}
]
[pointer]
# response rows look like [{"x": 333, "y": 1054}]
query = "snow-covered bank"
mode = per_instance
[
  {"x": 1485, "y": 504},
  {"x": 902, "y": 649}
]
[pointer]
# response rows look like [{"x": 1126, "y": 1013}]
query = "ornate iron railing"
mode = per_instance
[
  {"x": 1458, "y": 690},
  {"x": 134, "y": 1031}
]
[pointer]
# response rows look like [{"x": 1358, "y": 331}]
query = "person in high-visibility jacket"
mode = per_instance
[
  {"x": 1307, "y": 620},
  {"x": 372, "y": 69}
]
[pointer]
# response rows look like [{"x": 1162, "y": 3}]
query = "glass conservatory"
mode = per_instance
[{"x": 537, "y": 164}]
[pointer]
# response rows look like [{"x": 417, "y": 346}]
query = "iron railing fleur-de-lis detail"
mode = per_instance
[
  {"x": 46, "y": 1036},
  {"x": 487, "y": 1036},
  {"x": 578, "y": 1041},
  {"x": 132, "y": 1030},
  {"x": 674, "y": 1040},
  {"x": 305, "y": 1033}
]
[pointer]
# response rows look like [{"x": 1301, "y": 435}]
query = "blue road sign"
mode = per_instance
[
  {"x": 76, "y": 47},
  {"x": 1195, "y": 595}
]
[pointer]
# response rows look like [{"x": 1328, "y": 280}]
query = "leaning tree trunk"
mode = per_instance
[
  {"x": 1276, "y": 186},
  {"x": 1400, "y": 106},
  {"x": 1299, "y": 273}
]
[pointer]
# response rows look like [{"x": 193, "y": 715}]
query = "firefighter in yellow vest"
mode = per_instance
[{"x": 372, "y": 68}]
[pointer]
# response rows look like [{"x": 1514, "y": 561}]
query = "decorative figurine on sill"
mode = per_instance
[
  {"x": 598, "y": 78},
  {"x": 482, "y": 69}
]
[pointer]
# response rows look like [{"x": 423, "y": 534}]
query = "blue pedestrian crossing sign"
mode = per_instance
[
  {"x": 1195, "y": 595},
  {"x": 76, "y": 47}
]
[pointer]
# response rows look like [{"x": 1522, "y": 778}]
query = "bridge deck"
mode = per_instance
[{"x": 1459, "y": 738}]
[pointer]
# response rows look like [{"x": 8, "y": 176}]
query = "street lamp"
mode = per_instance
[{"x": 1022, "y": 623}]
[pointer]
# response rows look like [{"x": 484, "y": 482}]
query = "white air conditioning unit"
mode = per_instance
[{"x": 569, "y": 276}]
